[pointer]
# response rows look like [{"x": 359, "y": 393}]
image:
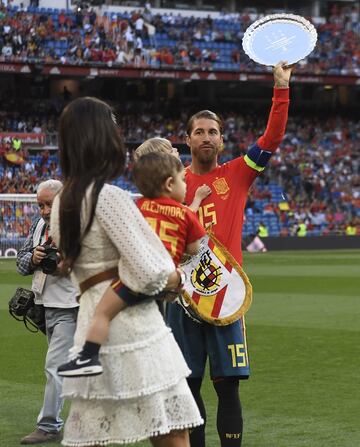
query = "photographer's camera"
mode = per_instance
[{"x": 49, "y": 263}]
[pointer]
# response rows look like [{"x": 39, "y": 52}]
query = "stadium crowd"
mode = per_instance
[
  {"x": 314, "y": 178},
  {"x": 29, "y": 115},
  {"x": 143, "y": 39}
]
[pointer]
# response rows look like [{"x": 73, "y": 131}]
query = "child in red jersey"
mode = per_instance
[
  {"x": 164, "y": 192},
  {"x": 162, "y": 145},
  {"x": 160, "y": 177}
]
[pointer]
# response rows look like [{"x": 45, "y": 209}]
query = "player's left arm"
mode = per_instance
[{"x": 259, "y": 154}]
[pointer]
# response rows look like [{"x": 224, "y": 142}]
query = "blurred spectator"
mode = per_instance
[
  {"x": 301, "y": 230},
  {"x": 256, "y": 245},
  {"x": 350, "y": 229},
  {"x": 262, "y": 230}
]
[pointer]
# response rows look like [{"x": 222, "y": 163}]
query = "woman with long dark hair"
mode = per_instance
[{"x": 143, "y": 391}]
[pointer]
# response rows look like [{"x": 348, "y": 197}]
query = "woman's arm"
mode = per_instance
[{"x": 145, "y": 266}]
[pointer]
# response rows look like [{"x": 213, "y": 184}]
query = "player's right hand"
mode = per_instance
[{"x": 282, "y": 73}]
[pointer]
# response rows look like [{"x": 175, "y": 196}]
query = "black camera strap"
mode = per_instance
[
  {"x": 23, "y": 308},
  {"x": 30, "y": 326},
  {"x": 43, "y": 231}
]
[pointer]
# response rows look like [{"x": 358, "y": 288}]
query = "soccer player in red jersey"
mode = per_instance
[{"x": 223, "y": 211}]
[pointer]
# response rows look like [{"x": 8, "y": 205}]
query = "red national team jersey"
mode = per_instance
[
  {"x": 175, "y": 224},
  {"x": 230, "y": 182},
  {"x": 223, "y": 209}
]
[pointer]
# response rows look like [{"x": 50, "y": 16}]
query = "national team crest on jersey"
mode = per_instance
[
  {"x": 217, "y": 289},
  {"x": 221, "y": 186}
]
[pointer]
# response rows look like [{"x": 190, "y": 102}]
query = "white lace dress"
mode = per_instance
[{"x": 143, "y": 390}]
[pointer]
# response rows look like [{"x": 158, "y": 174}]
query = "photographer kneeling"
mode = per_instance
[{"x": 58, "y": 296}]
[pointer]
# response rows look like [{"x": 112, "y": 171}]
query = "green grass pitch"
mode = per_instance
[{"x": 304, "y": 342}]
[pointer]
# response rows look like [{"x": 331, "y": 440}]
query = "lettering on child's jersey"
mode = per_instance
[{"x": 165, "y": 210}]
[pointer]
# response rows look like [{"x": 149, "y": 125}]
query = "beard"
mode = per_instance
[{"x": 206, "y": 156}]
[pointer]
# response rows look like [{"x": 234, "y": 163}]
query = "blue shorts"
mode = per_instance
[{"x": 224, "y": 345}]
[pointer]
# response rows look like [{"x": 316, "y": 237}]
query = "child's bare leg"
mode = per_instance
[{"x": 108, "y": 307}]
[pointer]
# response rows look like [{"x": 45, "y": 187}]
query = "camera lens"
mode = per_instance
[{"x": 49, "y": 263}]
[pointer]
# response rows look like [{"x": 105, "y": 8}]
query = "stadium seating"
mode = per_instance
[
  {"x": 265, "y": 203},
  {"x": 219, "y": 38},
  {"x": 316, "y": 168},
  {"x": 311, "y": 149}
]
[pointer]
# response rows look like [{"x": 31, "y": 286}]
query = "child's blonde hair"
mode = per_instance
[{"x": 156, "y": 144}]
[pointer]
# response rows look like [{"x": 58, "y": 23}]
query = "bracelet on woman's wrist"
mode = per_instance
[{"x": 182, "y": 278}]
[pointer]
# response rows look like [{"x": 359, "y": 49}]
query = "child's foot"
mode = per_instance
[{"x": 81, "y": 365}]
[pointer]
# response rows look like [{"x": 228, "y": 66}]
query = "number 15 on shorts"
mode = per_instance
[{"x": 238, "y": 355}]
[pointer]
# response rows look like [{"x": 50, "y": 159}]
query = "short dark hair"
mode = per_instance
[
  {"x": 151, "y": 171},
  {"x": 207, "y": 114}
]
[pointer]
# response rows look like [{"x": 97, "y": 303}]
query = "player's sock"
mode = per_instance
[
  {"x": 197, "y": 434},
  {"x": 229, "y": 415},
  {"x": 90, "y": 348}
]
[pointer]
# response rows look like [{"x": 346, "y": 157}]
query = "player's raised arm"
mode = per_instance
[{"x": 259, "y": 154}]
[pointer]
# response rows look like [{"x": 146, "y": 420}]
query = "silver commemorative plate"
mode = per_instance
[{"x": 279, "y": 37}]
